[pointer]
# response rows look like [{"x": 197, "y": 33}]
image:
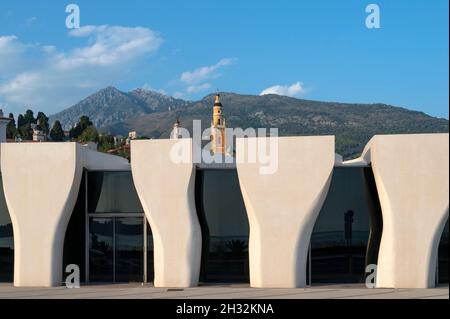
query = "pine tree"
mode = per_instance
[
  {"x": 11, "y": 129},
  {"x": 24, "y": 125},
  {"x": 90, "y": 134},
  {"x": 42, "y": 119},
  {"x": 82, "y": 124},
  {"x": 20, "y": 121},
  {"x": 26, "y": 132},
  {"x": 29, "y": 117},
  {"x": 57, "y": 133}
]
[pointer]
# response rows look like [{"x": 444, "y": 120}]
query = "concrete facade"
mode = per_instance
[
  {"x": 282, "y": 208},
  {"x": 412, "y": 178},
  {"x": 41, "y": 183},
  {"x": 166, "y": 191}
]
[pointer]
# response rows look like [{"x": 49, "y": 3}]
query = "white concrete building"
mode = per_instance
[{"x": 315, "y": 219}]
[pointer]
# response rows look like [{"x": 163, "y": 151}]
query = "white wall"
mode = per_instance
[
  {"x": 167, "y": 194},
  {"x": 283, "y": 207}
]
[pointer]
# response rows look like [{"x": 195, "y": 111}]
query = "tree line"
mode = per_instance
[{"x": 83, "y": 131}]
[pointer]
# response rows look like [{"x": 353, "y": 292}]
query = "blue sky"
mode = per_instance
[{"x": 318, "y": 50}]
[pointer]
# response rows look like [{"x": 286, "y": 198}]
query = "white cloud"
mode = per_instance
[
  {"x": 197, "y": 80},
  {"x": 110, "y": 45},
  {"x": 11, "y": 51},
  {"x": 204, "y": 73},
  {"x": 8, "y": 44},
  {"x": 295, "y": 90},
  {"x": 198, "y": 88},
  {"x": 48, "y": 79}
]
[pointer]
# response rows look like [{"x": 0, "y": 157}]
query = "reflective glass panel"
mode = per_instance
[
  {"x": 112, "y": 192},
  {"x": 129, "y": 245},
  {"x": 342, "y": 242},
  {"x": 224, "y": 224},
  {"x": 101, "y": 250}
]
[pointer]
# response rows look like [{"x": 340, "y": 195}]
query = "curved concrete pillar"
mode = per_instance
[
  {"x": 41, "y": 183},
  {"x": 411, "y": 174},
  {"x": 167, "y": 193},
  {"x": 282, "y": 207}
]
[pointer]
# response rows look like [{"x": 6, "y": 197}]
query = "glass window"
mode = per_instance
[
  {"x": 116, "y": 247},
  {"x": 112, "y": 192},
  {"x": 6, "y": 241},
  {"x": 101, "y": 249},
  {"x": 342, "y": 242},
  {"x": 129, "y": 245},
  {"x": 224, "y": 224}
]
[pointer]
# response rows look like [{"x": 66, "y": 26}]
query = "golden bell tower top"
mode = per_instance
[
  {"x": 217, "y": 111},
  {"x": 217, "y": 128}
]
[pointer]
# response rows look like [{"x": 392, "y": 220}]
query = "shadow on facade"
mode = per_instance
[
  {"x": 6, "y": 241},
  {"x": 442, "y": 270},
  {"x": 347, "y": 233},
  {"x": 225, "y": 229}
]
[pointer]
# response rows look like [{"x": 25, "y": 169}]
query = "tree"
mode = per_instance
[
  {"x": 90, "y": 134},
  {"x": 57, "y": 133},
  {"x": 26, "y": 132},
  {"x": 24, "y": 125},
  {"x": 11, "y": 129},
  {"x": 42, "y": 119},
  {"x": 20, "y": 121},
  {"x": 29, "y": 117},
  {"x": 105, "y": 142},
  {"x": 82, "y": 124}
]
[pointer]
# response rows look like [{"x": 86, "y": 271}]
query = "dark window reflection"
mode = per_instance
[
  {"x": 116, "y": 256},
  {"x": 101, "y": 250},
  {"x": 129, "y": 245},
  {"x": 443, "y": 257},
  {"x": 348, "y": 229},
  {"x": 150, "y": 264},
  {"x": 112, "y": 192},
  {"x": 6, "y": 241},
  {"x": 75, "y": 238},
  {"x": 224, "y": 224}
]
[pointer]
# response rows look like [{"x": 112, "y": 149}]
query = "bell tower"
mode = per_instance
[{"x": 217, "y": 128}]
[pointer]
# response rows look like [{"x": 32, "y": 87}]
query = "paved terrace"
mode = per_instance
[{"x": 226, "y": 291}]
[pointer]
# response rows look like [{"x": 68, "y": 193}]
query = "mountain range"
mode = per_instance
[{"x": 152, "y": 114}]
